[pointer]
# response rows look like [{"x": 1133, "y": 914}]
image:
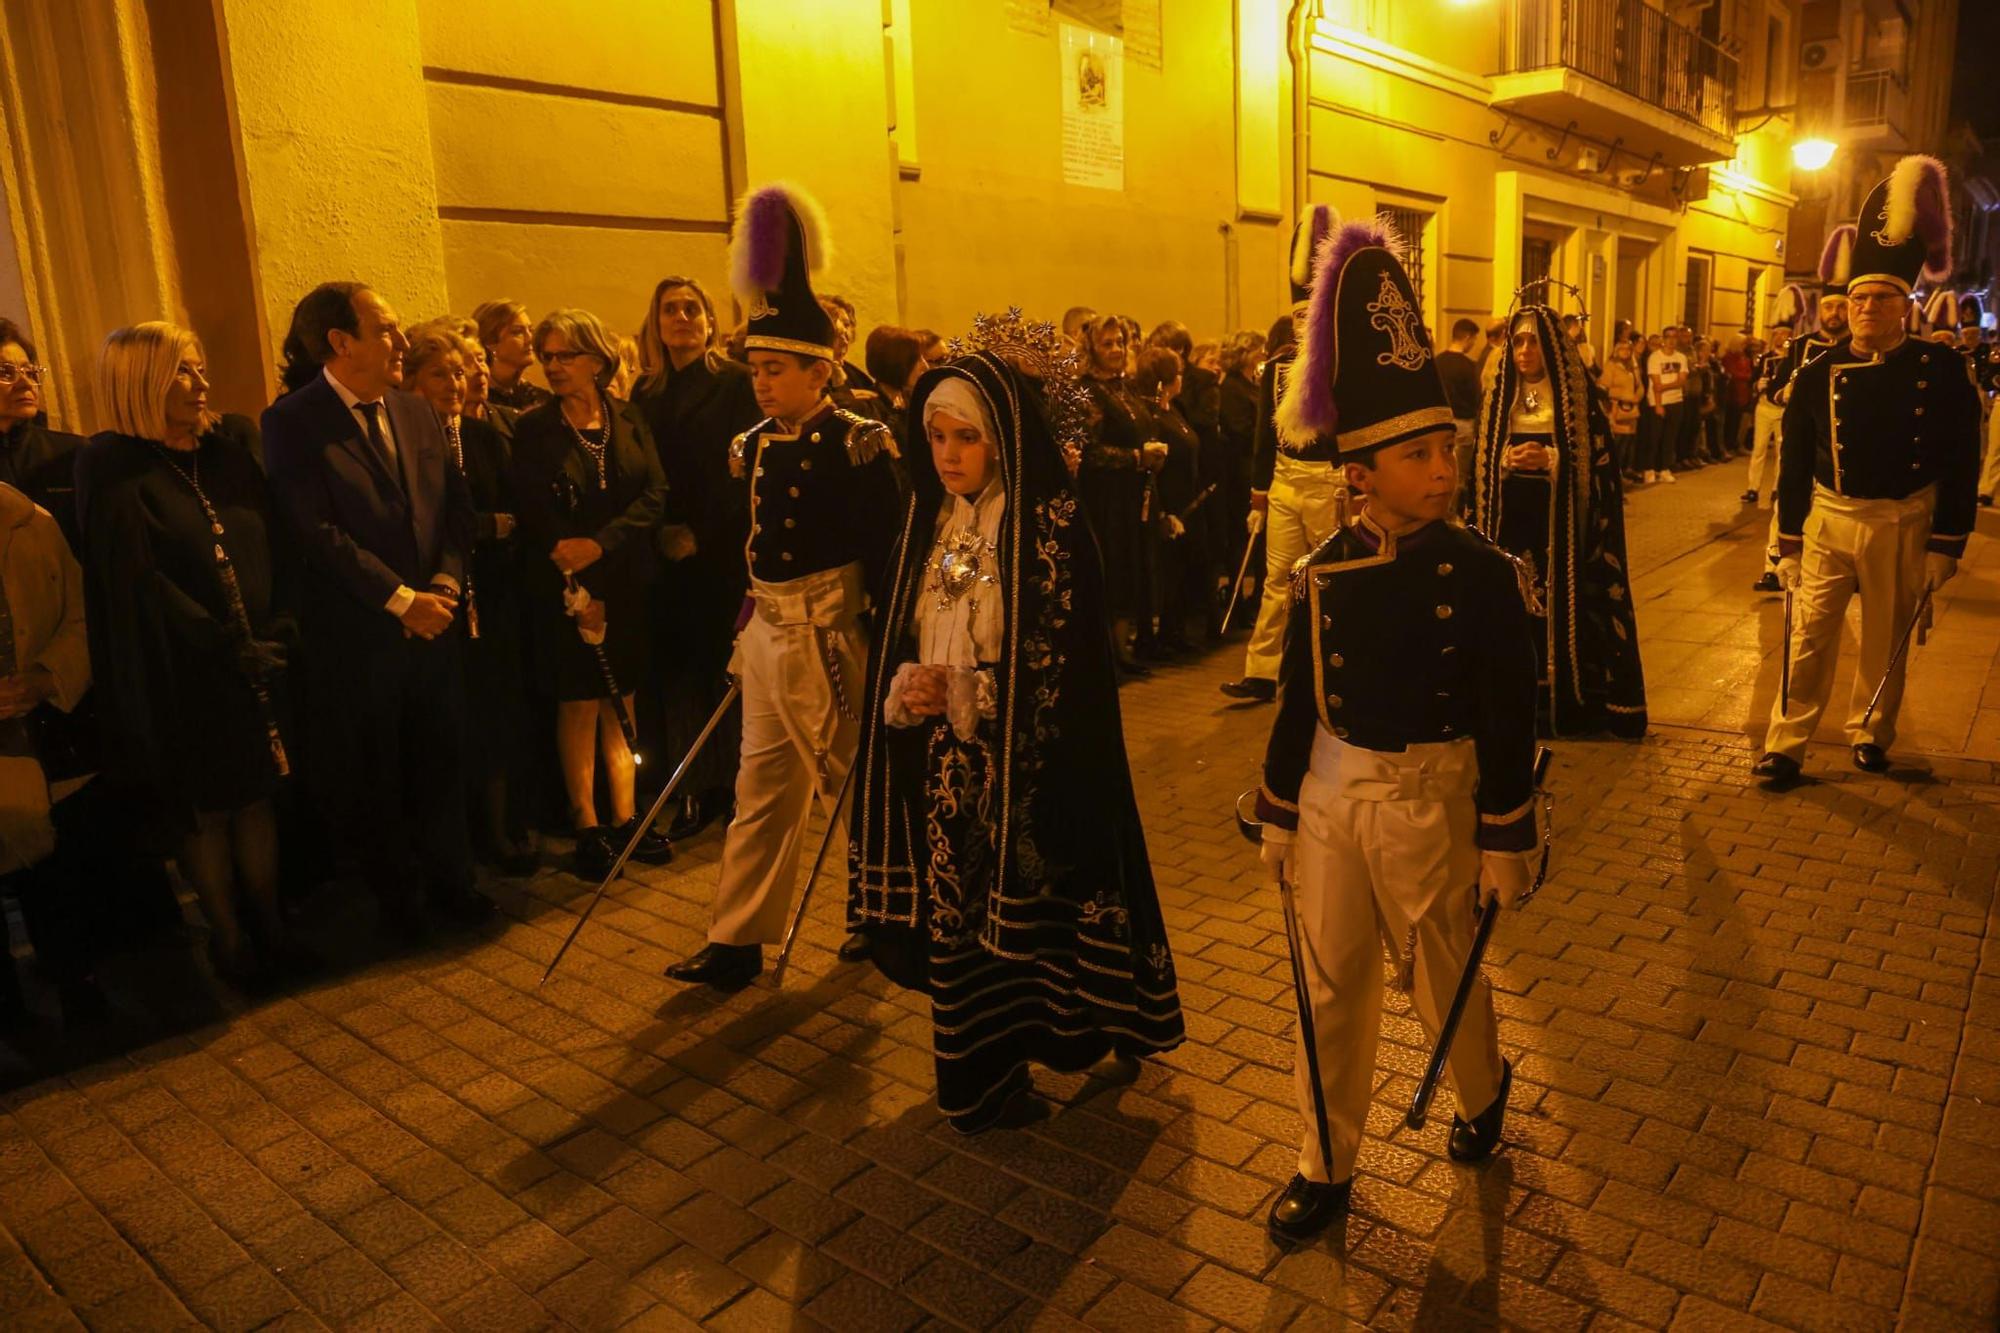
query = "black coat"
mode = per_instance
[
  {"x": 180, "y": 716},
  {"x": 41, "y": 464},
  {"x": 693, "y": 414}
]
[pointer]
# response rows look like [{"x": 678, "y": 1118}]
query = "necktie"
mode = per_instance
[{"x": 373, "y": 412}]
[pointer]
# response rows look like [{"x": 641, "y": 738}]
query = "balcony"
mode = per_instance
[
  {"x": 1874, "y": 109},
  {"x": 1618, "y": 70}
]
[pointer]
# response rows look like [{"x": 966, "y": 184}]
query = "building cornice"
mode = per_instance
[{"x": 1359, "y": 47}]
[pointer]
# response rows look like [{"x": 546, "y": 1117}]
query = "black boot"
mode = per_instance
[
  {"x": 723, "y": 966},
  {"x": 1257, "y": 689},
  {"x": 1308, "y": 1207},
  {"x": 1479, "y": 1138}
]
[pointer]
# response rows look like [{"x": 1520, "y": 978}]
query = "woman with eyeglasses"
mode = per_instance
[
  {"x": 589, "y": 488},
  {"x": 696, "y": 401},
  {"x": 37, "y": 461}
]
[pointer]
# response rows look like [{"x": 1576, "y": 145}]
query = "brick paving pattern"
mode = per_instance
[{"x": 1757, "y": 1047}]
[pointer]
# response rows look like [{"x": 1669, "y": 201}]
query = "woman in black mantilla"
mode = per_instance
[
  {"x": 1116, "y": 482},
  {"x": 998, "y": 863},
  {"x": 1548, "y": 491}
]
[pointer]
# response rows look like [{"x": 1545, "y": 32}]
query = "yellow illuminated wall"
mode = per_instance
[{"x": 989, "y": 222}]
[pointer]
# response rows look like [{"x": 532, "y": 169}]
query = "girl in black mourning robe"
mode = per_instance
[
  {"x": 1548, "y": 490},
  {"x": 998, "y": 862}
]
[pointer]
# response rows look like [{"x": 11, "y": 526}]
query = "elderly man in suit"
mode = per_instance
[{"x": 383, "y": 524}]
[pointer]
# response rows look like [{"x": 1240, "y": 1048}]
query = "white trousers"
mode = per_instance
[
  {"x": 1874, "y": 548},
  {"x": 1385, "y": 854},
  {"x": 1765, "y": 437},
  {"x": 1301, "y": 512},
  {"x": 797, "y": 742}
]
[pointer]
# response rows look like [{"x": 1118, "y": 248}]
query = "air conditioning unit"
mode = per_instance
[{"x": 1823, "y": 55}]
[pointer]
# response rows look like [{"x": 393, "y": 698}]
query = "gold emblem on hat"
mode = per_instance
[{"x": 1390, "y": 313}]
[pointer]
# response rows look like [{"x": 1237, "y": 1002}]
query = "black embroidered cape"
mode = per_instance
[
  {"x": 1007, "y": 875},
  {"x": 1570, "y": 525}
]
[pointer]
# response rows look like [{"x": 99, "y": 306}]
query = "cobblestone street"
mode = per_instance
[{"x": 1756, "y": 1043}]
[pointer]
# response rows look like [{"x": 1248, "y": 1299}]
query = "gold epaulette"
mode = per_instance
[
  {"x": 739, "y": 449},
  {"x": 866, "y": 437}
]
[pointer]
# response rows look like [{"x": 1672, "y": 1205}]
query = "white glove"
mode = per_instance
[
  {"x": 1791, "y": 572},
  {"x": 1175, "y": 528},
  {"x": 1938, "y": 570},
  {"x": 1504, "y": 877},
  {"x": 1255, "y": 522},
  {"x": 1276, "y": 851}
]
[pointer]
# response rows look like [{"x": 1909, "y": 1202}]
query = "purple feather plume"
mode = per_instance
[
  {"x": 762, "y": 239},
  {"x": 1934, "y": 224},
  {"x": 1834, "y": 257},
  {"x": 1308, "y": 410}
]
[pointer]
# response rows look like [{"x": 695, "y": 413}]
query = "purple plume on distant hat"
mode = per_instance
[
  {"x": 1790, "y": 307},
  {"x": 1836, "y": 258}
]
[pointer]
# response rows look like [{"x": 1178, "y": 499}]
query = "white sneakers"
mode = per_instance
[
  {"x": 1651, "y": 476},
  {"x": 1667, "y": 476}
]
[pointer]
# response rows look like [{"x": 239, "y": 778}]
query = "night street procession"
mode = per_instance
[{"x": 1000, "y": 664}]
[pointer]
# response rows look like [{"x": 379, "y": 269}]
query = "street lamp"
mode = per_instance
[{"x": 1813, "y": 154}]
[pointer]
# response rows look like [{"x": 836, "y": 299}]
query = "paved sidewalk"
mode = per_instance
[{"x": 1757, "y": 1045}]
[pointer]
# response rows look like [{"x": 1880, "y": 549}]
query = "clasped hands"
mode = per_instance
[
  {"x": 430, "y": 612},
  {"x": 925, "y": 690},
  {"x": 1529, "y": 458}
]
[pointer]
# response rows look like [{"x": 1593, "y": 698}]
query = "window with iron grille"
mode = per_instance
[
  {"x": 1412, "y": 225},
  {"x": 1694, "y": 313}
]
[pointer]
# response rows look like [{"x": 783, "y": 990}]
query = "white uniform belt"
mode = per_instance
[
  {"x": 1432, "y": 771},
  {"x": 1919, "y": 505},
  {"x": 825, "y": 598},
  {"x": 1293, "y": 471}
]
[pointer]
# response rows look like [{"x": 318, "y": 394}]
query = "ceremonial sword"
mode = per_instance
[
  {"x": 1236, "y": 588},
  {"x": 1902, "y": 646},
  {"x": 812, "y": 876},
  {"x": 639, "y": 830},
  {"x": 1253, "y": 831},
  {"x": 1785, "y": 662},
  {"x": 1420, "y": 1105}
]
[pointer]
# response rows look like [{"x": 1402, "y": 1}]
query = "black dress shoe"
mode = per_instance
[
  {"x": 1308, "y": 1207},
  {"x": 1132, "y": 668},
  {"x": 694, "y": 814},
  {"x": 1985, "y": 502},
  {"x": 1777, "y": 772},
  {"x": 595, "y": 852},
  {"x": 1258, "y": 689},
  {"x": 854, "y": 949},
  {"x": 723, "y": 966},
  {"x": 654, "y": 848},
  {"x": 1871, "y": 758},
  {"x": 1477, "y": 1139},
  {"x": 1768, "y": 583},
  {"x": 1749, "y": 497},
  {"x": 1155, "y": 651}
]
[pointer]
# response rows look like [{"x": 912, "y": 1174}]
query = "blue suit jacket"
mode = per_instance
[{"x": 362, "y": 530}]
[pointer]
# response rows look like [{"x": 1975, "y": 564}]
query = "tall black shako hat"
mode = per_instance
[
  {"x": 780, "y": 241},
  {"x": 1315, "y": 225},
  {"x": 1904, "y": 231},
  {"x": 1365, "y": 375}
]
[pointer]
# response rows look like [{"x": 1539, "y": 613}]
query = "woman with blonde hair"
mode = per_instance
[
  {"x": 187, "y": 582},
  {"x": 507, "y": 335},
  {"x": 588, "y": 483},
  {"x": 441, "y": 367}
]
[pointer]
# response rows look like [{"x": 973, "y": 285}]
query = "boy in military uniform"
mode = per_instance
[
  {"x": 1876, "y": 479},
  {"x": 824, "y": 509},
  {"x": 1398, "y": 778}
]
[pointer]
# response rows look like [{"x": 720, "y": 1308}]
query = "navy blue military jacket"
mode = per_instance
[
  {"x": 820, "y": 498},
  {"x": 1400, "y": 641},
  {"x": 1882, "y": 428}
]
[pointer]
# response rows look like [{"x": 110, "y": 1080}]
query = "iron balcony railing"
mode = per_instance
[
  {"x": 1629, "y": 45},
  {"x": 1875, "y": 99}
]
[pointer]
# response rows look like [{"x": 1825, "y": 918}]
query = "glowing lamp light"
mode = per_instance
[{"x": 1813, "y": 154}]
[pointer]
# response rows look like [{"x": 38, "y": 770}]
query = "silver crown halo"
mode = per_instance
[{"x": 1036, "y": 349}]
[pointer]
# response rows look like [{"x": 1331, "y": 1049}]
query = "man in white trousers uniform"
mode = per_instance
[
  {"x": 1294, "y": 493},
  {"x": 824, "y": 505},
  {"x": 1876, "y": 481},
  {"x": 1398, "y": 778}
]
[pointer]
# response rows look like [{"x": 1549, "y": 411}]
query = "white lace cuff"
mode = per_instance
[{"x": 893, "y": 711}]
